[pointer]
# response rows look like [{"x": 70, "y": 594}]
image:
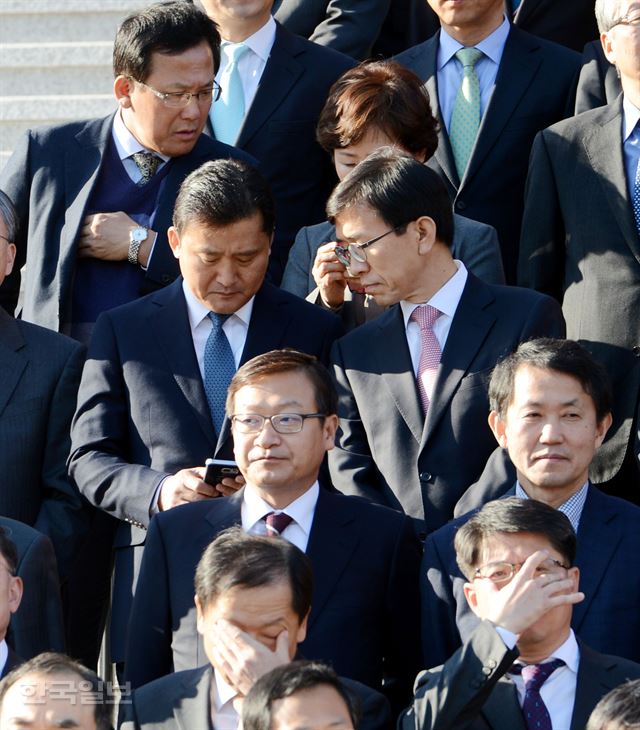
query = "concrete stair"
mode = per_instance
[{"x": 55, "y": 62}]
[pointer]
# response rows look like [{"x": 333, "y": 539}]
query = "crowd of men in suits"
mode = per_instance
[{"x": 422, "y": 501}]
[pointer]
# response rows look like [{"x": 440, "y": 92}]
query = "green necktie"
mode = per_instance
[{"x": 465, "y": 118}]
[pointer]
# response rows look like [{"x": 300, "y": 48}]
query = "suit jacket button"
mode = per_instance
[
  {"x": 425, "y": 476},
  {"x": 460, "y": 205},
  {"x": 165, "y": 279},
  {"x": 486, "y": 671},
  {"x": 492, "y": 664},
  {"x": 636, "y": 350}
]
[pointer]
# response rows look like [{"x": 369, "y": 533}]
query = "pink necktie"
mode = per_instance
[
  {"x": 277, "y": 523},
  {"x": 425, "y": 316}
]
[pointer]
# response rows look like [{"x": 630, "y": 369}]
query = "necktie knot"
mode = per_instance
[
  {"x": 236, "y": 51},
  {"x": 425, "y": 316},
  {"x": 217, "y": 320},
  {"x": 468, "y": 57},
  {"x": 277, "y": 522},
  {"x": 147, "y": 163},
  {"x": 535, "y": 675}
]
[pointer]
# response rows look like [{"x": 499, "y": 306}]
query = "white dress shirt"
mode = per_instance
[
  {"x": 235, "y": 328},
  {"x": 449, "y": 68},
  {"x": 301, "y": 510},
  {"x": 252, "y": 63},
  {"x": 223, "y": 714},
  {"x": 446, "y": 299},
  {"x": 127, "y": 145},
  {"x": 559, "y": 691},
  {"x": 4, "y": 655}
]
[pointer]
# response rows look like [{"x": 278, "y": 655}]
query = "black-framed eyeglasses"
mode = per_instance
[
  {"x": 281, "y": 422},
  {"x": 182, "y": 99},
  {"x": 631, "y": 18},
  {"x": 357, "y": 251},
  {"x": 502, "y": 572}
]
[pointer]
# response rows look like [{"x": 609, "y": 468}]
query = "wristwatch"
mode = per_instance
[{"x": 136, "y": 237}]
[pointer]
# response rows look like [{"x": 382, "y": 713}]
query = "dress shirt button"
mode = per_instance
[{"x": 425, "y": 476}]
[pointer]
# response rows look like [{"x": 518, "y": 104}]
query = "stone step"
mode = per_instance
[
  {"x": 43, "y": 20},
  {"x": 31, "y": 69},
  {"x": 36, "y": 110}
]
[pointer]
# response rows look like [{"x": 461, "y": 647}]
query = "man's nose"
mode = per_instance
[
  {"x": 194, "y": 109},
  {"x": 267, "y": 436},
  {"x": 357, "y": 268},
  {"x": 551, "y": 431}
]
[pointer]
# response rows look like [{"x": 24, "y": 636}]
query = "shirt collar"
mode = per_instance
[
  {"x": 630, "y": 116},
  {"x": 568, "y": 651},
  {"x": 198, "y": 312},
  {"x": 572, "y": 507},
  {"x": 301, "y": 509},
  {"x": 222, "y": 692},
  {"x": 261, "y": 42},
  {"x": 126, "y": 143},
  {"x": 446, "y": 299},
  {"x": 492, "y": 46},
  {"x": 4, "y": 655}
]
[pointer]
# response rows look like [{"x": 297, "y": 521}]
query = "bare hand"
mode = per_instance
[
  {"x": 330, "y": 275},
  {"x": 105, "y": 236},
  {"x": 185, "y": 486},
  {"x": 526, "y": 598},
  {"x": 241, "y": 659},
  {"x": 230, "y": 486}
]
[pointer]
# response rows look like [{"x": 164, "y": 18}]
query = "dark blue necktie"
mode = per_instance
[
  {"x": 219, "y": 368},
  {"x": 536, "y": 715}
]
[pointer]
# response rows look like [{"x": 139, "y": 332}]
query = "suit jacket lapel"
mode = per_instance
[
  {"x": 502, "y": 709},
  {"x": 12, "y": 362},
  {"x": 592, "y": 684},
  {"x": 598, "y": 538},
  {"x": 225, "y": 512},
  {"x": 194, "y": 708},
  {"x": 518, "y": 66},
  {"x": 332, "y": 543},
  {"x": 281, "y": 72},
  {"x": 469, "y": 329},
  {"x": 82, "y": 166},
  {"x": 603, "y": 145},
  {"x": 393, "y": 360},
  {"x": 170, "y": 325}
]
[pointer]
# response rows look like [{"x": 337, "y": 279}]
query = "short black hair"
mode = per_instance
[
  {"x": 236, "y": 559},
  {"x": 564, "y": 356},
  {"x": 223, "y": 192},
  {"x": 8, "y": 550},
  {"x": 169, "y": 28},
  {"x": 285, "y": 681},
  {"x": 512, "y": 515},
  {"x": 53, "y": 663},
  {"x": 287, "y": 361},
  {"x": 619, "y": 709},
  {"x": 399, "y": 188},
  {"x": 9, "y": 216}
]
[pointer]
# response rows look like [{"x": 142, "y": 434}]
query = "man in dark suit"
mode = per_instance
[
  {"x": 519, "y": 85},
  {"x": 580, "y": 243},
  {"x": 94, "y": 197},
  {"x": 282, "y": 82},
  {"x": 365, "y": 557},
  {"x": 151, "y": 400},
  {"x": 571, "y": 24},
  {"x": 253, "y": 597},
  {"x": 413, "y": 433},
  {"x": 40, "y": 377},
  {"x": 517, "y": 556},
  {"x": 37, "y": 625},
  {"x": 552, "y": 444}
]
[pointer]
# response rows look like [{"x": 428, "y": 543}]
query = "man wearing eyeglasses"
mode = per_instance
[
  {"x": 522, "y": 668},
  {"x": 282, "y": 407},
  {"x": 413, "y": 390},
  {"x": 580, "y": 237},
  {"x": 95, "y": 197}
]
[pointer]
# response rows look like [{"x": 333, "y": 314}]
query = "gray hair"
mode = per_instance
[
  {"x": 9, "y": 216},
  {"x": 607, "y": 11}
]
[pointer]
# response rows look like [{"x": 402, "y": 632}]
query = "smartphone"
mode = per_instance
[{"x": 218, "y": 469}]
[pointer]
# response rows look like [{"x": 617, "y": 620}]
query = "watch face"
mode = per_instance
[{"x": 139, "y": 234}]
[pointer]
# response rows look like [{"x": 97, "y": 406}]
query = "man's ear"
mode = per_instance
[
  {"x": 11, "y": 255},
  {"x": 174, "y": 240},
  {"x": 329, "y": 428},
  {"x": 499, "y": 428},
  {"x": 199, "y": 615},
  {"x": 601, "y": 429},
  {"x": 607, "y": 47},
  {"x": 302, "y": 629},
  {"x": 471, "y": 594},
  {"x": 122, "y": 89},
  {"x": 15, "y": 593},
  {"x": 426, "y": 230}
]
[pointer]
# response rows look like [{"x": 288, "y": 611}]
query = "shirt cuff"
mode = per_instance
[{"x": 510, "y": 639}]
